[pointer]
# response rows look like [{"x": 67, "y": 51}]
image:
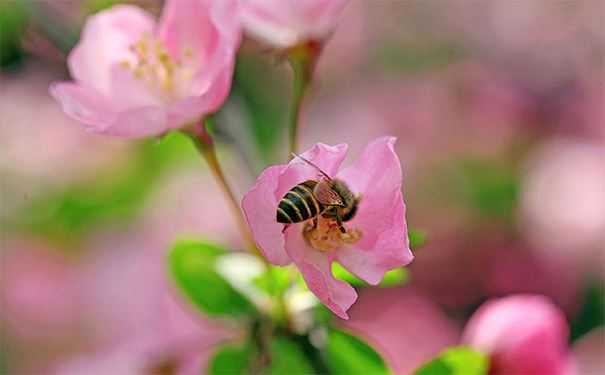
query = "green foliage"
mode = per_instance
[
  {"x": 113, "y": 196},
  {"x": 417, "y": 238},
  {"x": 274, "y": 281},
  {"x": 491, "y": 188},
  {"x": 413, "y": 59},
  {"x": 347, "y": 354},
  {"x": 396, "y": 276},
  {"x": 592, "y": 312},
  {"x": 456, "y": 361},
  {"x": 94, "y": 6},
  {"x": 231, "y": 360},
  {"x": 288, "y": 358},
  {"x": 488, "y": 187},
  {"x": 263, "y": 93},
  {"x": 192, "y": 269},
  {"x": 13, "y": 21}
]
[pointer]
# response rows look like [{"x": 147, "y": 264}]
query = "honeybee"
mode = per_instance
[{"x": 327, "y": 197}]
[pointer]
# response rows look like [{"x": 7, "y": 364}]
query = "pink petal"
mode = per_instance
[
  {"x": 100, "y": 116},
  {"x": 326, "y": 157},
  {"x": 105, "y": 41},
  {"x": 139, "y": 122},
  {"x": 84, "y": 105},
  {"x": 260, "y": 205},
  {"x": 204, "y": 35},
  {"x": 315, "y": 267},
  {"x": 213, "y": 80},
  {"x": 286, "y": 23},
  {"x": 128, "y": 92},
  {"x": 538, "y": 344},
  {"x": 381, "y": 213},
  {"x": 187, "y": 25}
]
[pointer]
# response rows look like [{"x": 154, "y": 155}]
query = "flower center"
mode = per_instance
[
  {"x": 153, "y": 65},
  {"x": 327, "y": 236}
]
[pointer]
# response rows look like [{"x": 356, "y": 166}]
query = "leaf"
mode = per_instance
[
  {"x": 417, "y": 238},
  {"x": 263, "y": 91},
  {"x": 230, "y": 360},
  {"x": 347, "y": 354},
  {"x": 396, "y": 276},
  {"x": 288, "y": 358},
  {"x": 274, "y": 281},
  {"x": 14, "y": 18},
  {"x": 456, "y": 361},
  {"x": 192, "y": 269},
  {"x": 114, "y": 195},
  {"x": 592, "y": 311}
]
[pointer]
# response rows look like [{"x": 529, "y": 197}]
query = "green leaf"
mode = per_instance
[
  {"x": 288, "y": 358},
  {"x": 592, "y": 311},
  {"x": 396, "y": 276},
  {"x": 230, "y": 360},
  {"x": 274, "y": 281},
  {"x": 456, "y": 361},
  {"x": 192, "y": 269},
  {"x": 417, "y": 238},
  {"x": 111, "y": 196},
  {"x": 263, "y": 92},
  {"x": 347, "y": 354},
  {"x": 14, "y": 18}
]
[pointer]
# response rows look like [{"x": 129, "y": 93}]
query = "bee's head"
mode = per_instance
[{"x": 350, "y": 201}]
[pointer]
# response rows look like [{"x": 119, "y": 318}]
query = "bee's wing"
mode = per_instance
[{"x": 326, "y": 195}]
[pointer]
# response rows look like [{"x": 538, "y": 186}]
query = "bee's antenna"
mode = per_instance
[{"x": 312, "y": 164}]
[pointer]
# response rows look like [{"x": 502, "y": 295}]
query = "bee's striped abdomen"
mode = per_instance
[{"x": 298, "y": 204}]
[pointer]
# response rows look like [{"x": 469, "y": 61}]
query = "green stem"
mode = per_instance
[
  {"x": 301, "y": 69},
  {"x": 205, "y": 145}
]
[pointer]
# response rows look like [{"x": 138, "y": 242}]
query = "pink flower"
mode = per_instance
[
  {"x": 285, "y": 23},
  {"x": 133, "y": 79},
  {"x": 376, "y": 237},
  {"x": 523, "y": 334}
]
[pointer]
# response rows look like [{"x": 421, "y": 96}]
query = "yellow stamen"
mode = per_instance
[
  {"x": 154, "y": 66},
  {"x": 327, "y": 236}
]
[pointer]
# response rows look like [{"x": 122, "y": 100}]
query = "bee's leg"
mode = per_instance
[
  {"x": 315, "y": 222},
  {"x": 285, "y": 227},
  {"x": 340, "y": 225}
]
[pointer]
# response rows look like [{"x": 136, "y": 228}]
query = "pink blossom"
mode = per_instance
[
  {"x": 134, "y": 79},
  {"x": 376, "y": 237},
  {"x": 285, "y": 23},
  {"x": 523, "y": 334}
]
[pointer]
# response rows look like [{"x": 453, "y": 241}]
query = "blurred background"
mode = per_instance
[{"x": 499, "y": 110}]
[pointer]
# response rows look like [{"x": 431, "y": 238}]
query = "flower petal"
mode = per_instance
[
  {"x": 187, "y": 29},
  {"x": 315, "y": 267},
  {"x": 260, "y": 205},
  {"x": 286, "y": 23},
  {"x": 391, "y": 250},
  {"x": 84, "y": 105},
  {"x": 204, "y": 35},
  {"x": 326, "y": 157},
  {"x": 106, "y": 41},
  {"x": 139, "y": 122},
  {"x": 381, "y": 213}
]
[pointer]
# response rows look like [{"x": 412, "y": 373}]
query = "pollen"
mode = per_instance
[
  {"x": 152, "y": 64},
  {"x": 327, "y": 236}
]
